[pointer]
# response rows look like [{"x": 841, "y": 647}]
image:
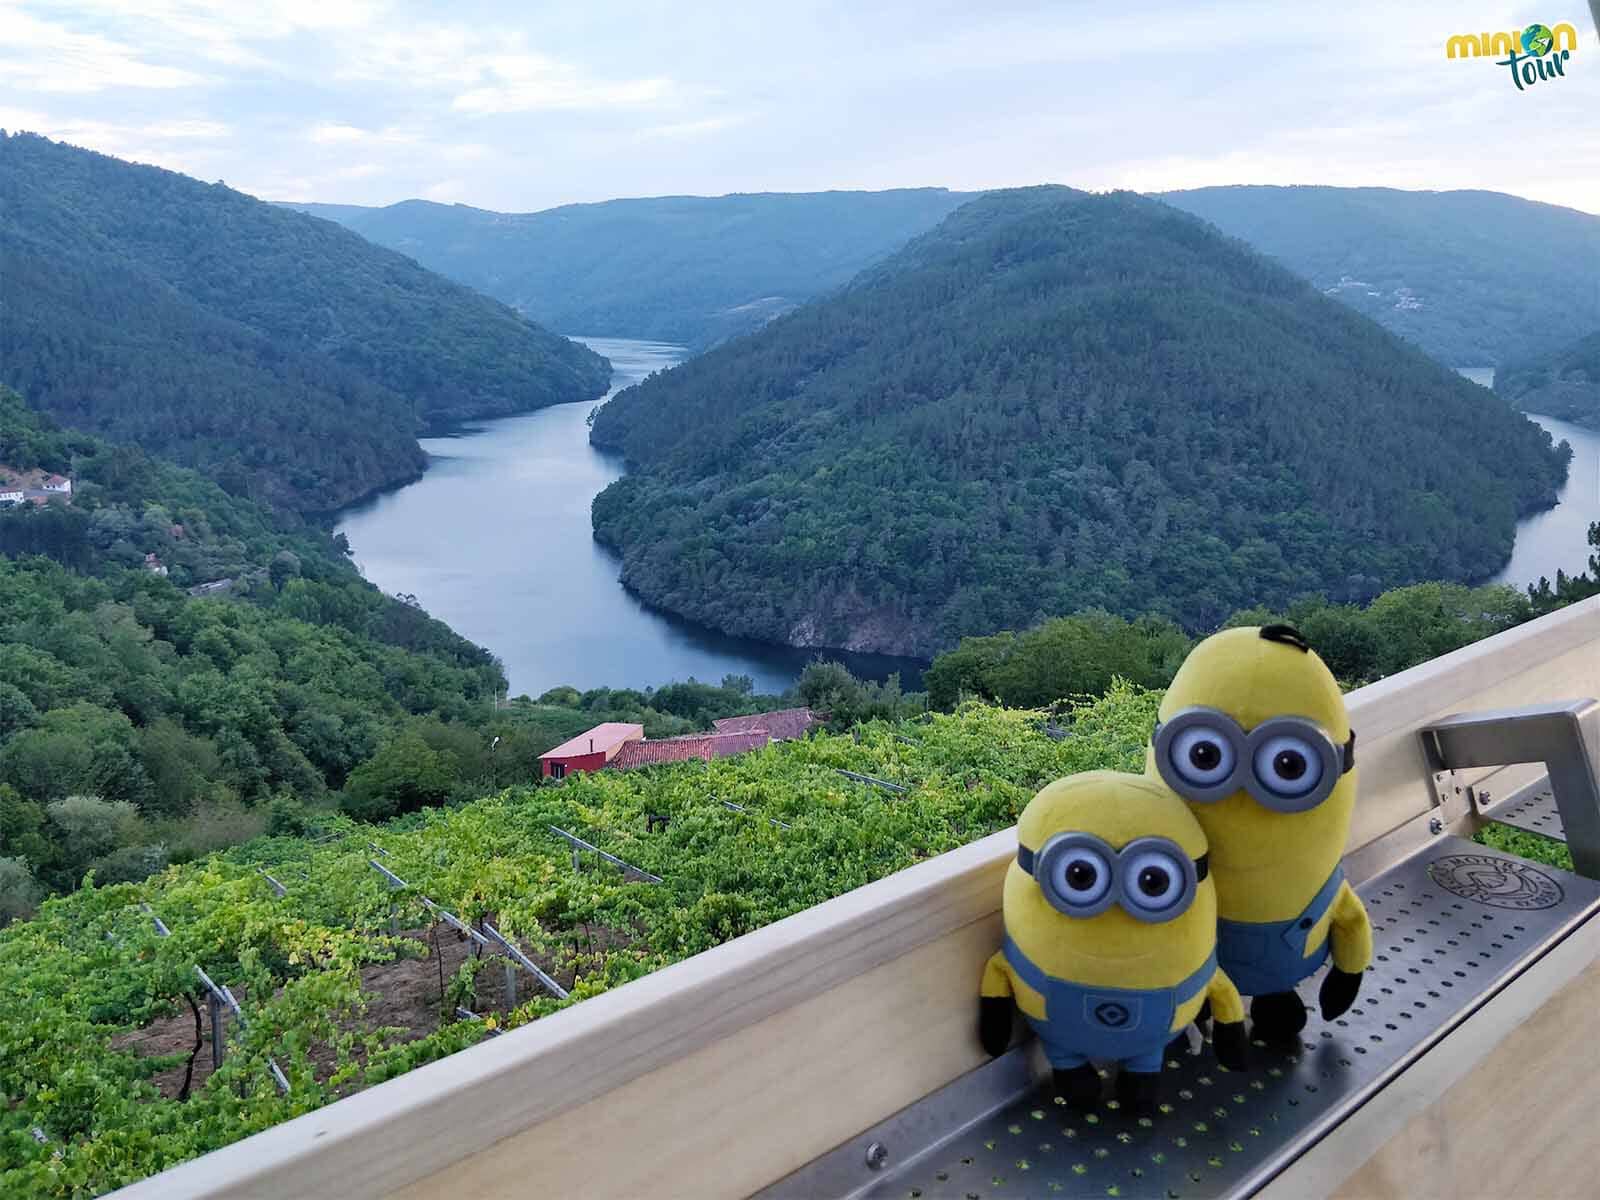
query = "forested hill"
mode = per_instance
[
  {"x": 287, "y": 357},
  {"x": 1474, "y": 278},
  {"x": 686, "y": 269},
  {"x": 1052, "y": 402},
  {"x": 1562, "y": 383}
]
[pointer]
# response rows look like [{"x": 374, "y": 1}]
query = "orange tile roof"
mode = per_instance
[
  {"x": 705, "y": 746},
  {"x": 605, "y": 738}
]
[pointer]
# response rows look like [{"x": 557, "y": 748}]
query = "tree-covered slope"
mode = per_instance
[
  {"x": 1564, "y": 383},
  {"x": 287, "y": 357},
  {"x": 687, "y": 269},
  {"x": 1055, "y": 402},
  {"x": 1474, "y": 278}
]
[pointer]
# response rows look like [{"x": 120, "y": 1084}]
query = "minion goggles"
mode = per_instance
[
  {"x": 1288, "y": 764},
  {"x": 1151, "y": 878}
]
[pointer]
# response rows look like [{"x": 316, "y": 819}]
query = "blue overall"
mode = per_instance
[
  {"x": 1129, "y": 1025},
  {"x": 1264, "y": 957}
]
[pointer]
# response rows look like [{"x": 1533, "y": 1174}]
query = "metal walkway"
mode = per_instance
[{"x": 1452, "y": 925}]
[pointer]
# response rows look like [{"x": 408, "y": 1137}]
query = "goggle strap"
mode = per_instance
[{"x": 1202, "y": 865}]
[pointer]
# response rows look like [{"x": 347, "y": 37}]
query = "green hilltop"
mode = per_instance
[{"x": 1053, "y": 402}]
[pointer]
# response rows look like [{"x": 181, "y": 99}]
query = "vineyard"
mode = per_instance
[{"x": 367, "y": 951}]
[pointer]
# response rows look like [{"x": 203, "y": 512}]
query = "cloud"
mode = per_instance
[
  {"x": 530, "y": 82},
  {"x": 446, "y": 191},
  {"x": 332, "y": 134},
  {"x": 42, "y": 56},
  {"x": 690, "y": 129}
]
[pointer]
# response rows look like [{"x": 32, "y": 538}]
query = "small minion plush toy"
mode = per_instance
[
  {"x": 1110, "y": 946},
  {"x": 1253, "y": 733}
]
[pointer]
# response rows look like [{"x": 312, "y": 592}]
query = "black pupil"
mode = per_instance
[
  {"x": 1154, "y": 881},
  {"x": 1081, "y": 876},
  {"x": 1205, "y": 755},
  {"x": 1289, "y": 764}
]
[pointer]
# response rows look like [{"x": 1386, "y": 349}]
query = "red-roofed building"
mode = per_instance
[
  {"x": 703, "y": 746},
  {"x": 782, "y": 725},
  {"x": 589, "y": 751}
]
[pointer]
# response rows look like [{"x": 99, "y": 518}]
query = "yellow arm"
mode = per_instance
[
  {"x": 1351, "y": 932},
  {"x": 996, "y": 978},
  {"x": 1226, "y": 1006}
]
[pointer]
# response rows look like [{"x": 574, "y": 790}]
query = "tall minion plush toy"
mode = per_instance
[
  {"x": 1110, "y": 946},
  {"x": 1253, "y": 733}
]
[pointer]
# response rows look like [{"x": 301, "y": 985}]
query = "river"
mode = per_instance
[
  {"x": 1556, "y": 538},
  {"x": 495, "y": 541}
]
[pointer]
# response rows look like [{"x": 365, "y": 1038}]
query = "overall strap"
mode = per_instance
[
  {"x": 1024, "y": 967},
  {"x": 1196, "y": 982},
  {"x": 1186, "y": 989},
  {"x": 1323, "y": 900}
]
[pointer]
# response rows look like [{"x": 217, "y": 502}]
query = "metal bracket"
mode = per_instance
[{"x": 1563, "y": 735}]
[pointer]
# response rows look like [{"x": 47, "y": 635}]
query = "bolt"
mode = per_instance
[
  {"x": 877, "y": 1155},
  {"x": 1435, "y": 825},
  {"x": 1484, "y": 797}
]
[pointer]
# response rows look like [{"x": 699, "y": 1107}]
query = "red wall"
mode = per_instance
[{"x": 577, "y": 762}]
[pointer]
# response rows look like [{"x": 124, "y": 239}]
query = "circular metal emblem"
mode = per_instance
[
  {"x": 1111, "y": 1014},
  {"x": 1497, "y": 882}
]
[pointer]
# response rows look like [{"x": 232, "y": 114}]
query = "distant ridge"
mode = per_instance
[
  {"x": 288, "y": 358},
  {"x": 694, "y": 270},
  {"x": 1474, "y": 278}
]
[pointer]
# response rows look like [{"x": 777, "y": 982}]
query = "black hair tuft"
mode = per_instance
[{"x": 1288, "y": 635}]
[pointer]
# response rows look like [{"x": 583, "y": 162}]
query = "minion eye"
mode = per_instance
[
  {"x": 1081, "y": 877},
  {"x": 1288, "y": 766},
  {"x": 1153, "y": 881},
  {"x": 1201, "y": 756}
]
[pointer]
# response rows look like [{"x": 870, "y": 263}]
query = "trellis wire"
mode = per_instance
[
  {"x": 276, "y": 886},
  {"x": 739, "y": 808},
  {"x": 579, "y": 843},
  {"x": 444, "y": 914},
  {"x": 220, "y": 994},
  {"x": 873, "y": 780},
  {"x": 466, "y": 1014},
  {"x": 217, "y": 996},
  {"x": 525, "y": 962}
]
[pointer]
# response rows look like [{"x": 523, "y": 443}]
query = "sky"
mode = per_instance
[{"x": 523, "y": 106}]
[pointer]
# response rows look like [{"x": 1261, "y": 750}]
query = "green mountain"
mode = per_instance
[
  {"x": 688, "y": 269},
  {"x": 1055, "y": 402},
  {"x": 289, "y": 358},
  {"x": 1474, "y": 278},
  {"x": 1565, "y": 384}
]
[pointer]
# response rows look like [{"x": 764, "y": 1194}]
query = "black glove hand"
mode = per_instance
[
  {"x": 1232, "y": 1044},
  {"x": 994, "y": 1024},
  {"x": 1338, "y": 992}
]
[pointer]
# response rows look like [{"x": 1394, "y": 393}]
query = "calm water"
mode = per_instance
[
  {"x": 1557, "y": 538},
  {"x": 495, "y": 541}
]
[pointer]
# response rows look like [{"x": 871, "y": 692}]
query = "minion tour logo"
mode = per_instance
[
  {"x": 1497, "y": 882},
  {"x": 1536, "y": 53}
]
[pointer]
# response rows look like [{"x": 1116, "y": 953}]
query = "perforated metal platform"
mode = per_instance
[
  {"x": 1451, "y": 926},
  {"x": 1533, "y": 808}
]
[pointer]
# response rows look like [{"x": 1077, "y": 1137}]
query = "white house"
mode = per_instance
[
  {"x": 11, "y": 496},
  {"x": 57, "y": 483}
]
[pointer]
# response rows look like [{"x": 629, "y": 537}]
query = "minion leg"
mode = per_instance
[
  {"x": 1278, "y": 1018},
  {"x": 1079, "y": 1086}
]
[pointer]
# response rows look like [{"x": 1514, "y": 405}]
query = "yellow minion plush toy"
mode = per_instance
[
  {"x": 1110, "y": 936},
  {"x": 1253, "y": 733}
]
